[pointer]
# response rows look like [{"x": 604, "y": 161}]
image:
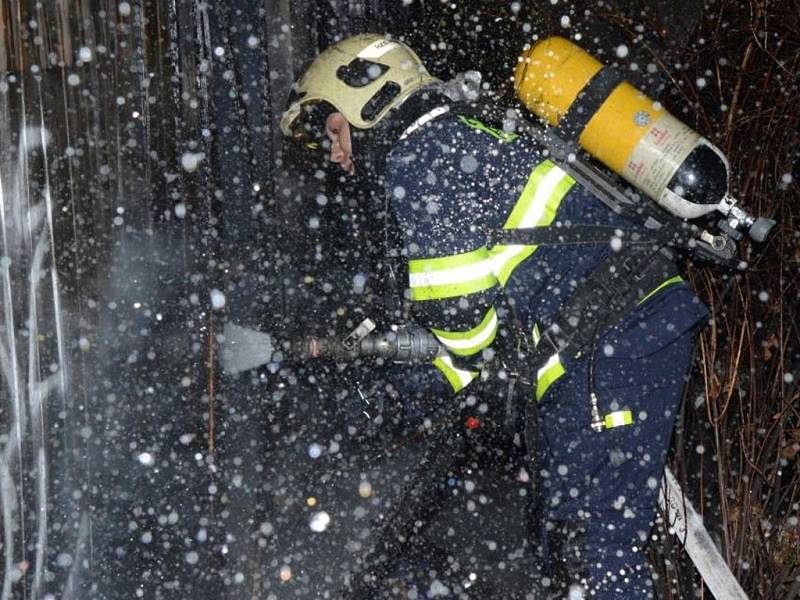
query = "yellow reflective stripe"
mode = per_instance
[
  {"x": 618, "y": 418},
  {"x": 443, "y": 263},
  {"x": 450, "y": 276},
  {"x": 453, "y": 290},
  {"x": 548, "y": 374},
  {"x": 458, "y": 378},
  {"x": 537, "y": 334},
  {"x": 505, "y": 136},
  {"x": 537, "y": 206},
  {"x": 670, "y": 281},
  {"x": 467, "y": 343},
  {"x": 506, "y": 258},
  {"x": 530, "y": 204}
]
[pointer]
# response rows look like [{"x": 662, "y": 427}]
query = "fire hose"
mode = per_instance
[{"x": 244, "y": 348}]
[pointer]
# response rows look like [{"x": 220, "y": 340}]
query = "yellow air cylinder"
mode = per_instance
[{"x": 628, "y": 132}]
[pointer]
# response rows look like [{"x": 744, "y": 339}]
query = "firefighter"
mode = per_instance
[{"x": 605, "y": 415}]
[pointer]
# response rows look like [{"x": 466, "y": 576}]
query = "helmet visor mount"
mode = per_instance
[
  {"x": 308, "y": 126},
  {"x": 360, "y": 72},
  {"x": 382, "y": 98}
]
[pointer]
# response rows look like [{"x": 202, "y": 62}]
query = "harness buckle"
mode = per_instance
[
  {"x": 597, "y": 423},
  {"x": 355, "y": 337}
]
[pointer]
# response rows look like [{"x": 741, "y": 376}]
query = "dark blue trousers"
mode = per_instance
[{"x": 605, "y": 484}]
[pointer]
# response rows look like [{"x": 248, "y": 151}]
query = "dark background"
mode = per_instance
[{"x": 131, "y": 466}]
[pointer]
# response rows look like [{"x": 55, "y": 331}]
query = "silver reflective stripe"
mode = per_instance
[
  {"x": 458, "y": 378},
  {"x": 537, "y": 334},
  {"x": 472, "y": 341},
  {"x": 536, "y": 206},
  {"x": 507, "y": 255},
  {"x": 551, "y": 362},
  {"x": 451, "y": 276},
  {"x": 544, "y": 192},
  {"x": 548, "y": 374},
  {"x": 428, "y": 116}
]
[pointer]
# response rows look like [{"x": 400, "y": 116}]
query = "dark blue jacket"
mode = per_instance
[{"x": 454, "y": 176}]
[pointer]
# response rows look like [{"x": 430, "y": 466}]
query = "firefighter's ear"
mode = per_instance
[{"x": 338, "y": 131}]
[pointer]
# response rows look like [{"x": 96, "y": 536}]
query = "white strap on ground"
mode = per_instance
[{"x": 688, "y": 527}]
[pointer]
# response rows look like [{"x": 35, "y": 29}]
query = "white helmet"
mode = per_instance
[{"x": 362, "y": 77}]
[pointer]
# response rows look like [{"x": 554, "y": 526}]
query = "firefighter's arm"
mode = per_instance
[
  {"x": 454, "y": 296},
  {"x": 440, "y": 184}
]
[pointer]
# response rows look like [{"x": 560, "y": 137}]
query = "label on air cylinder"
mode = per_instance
[{"x": 659, "y": 153}]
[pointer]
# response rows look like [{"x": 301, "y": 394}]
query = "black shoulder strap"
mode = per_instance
[
  {"x": 588, "y": 102},
  {"x": 566, "y": 235},
  {"x": 613, "y": 288}
]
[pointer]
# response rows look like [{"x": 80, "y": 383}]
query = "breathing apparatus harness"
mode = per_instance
[{"x": 644, "y": 256}]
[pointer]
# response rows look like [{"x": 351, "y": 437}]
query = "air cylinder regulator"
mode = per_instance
[{"x": 633, "y": 135}]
